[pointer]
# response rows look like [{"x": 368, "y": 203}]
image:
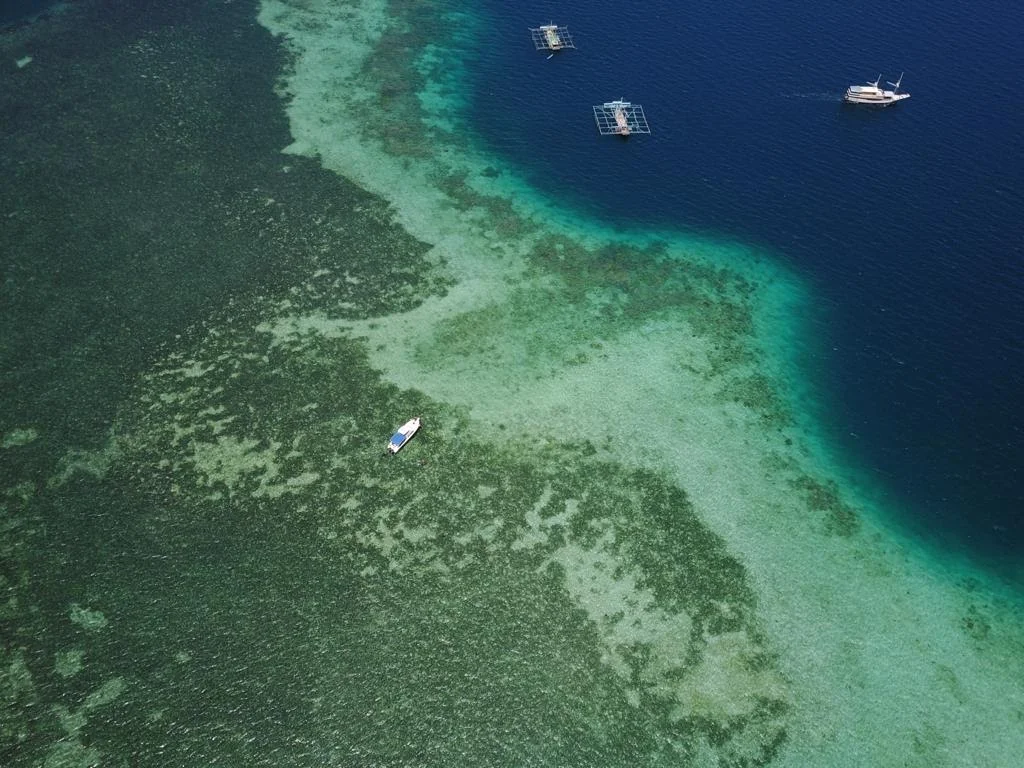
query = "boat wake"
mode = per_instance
[{"x": 814, "y": 96}]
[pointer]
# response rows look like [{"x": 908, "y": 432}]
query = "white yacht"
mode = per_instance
[{"x": 872, "y": 95}]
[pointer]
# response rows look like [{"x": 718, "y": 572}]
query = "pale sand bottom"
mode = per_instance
[{"x": 870, "y": 631}]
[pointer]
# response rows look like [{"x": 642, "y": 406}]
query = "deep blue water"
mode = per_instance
[
  {"x": 15, "y": 10},
  {"x": 905, "y": 222}
]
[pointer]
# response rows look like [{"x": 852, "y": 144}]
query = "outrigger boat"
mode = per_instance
[
  {"x": 403, "y": 435},
  {"x": 620, "y": 118},
  {"x": 871, "y": 95},
  {"x": 551, "y": 37}
]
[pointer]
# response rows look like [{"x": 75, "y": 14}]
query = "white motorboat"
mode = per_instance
[{"x": 403, "y": 435}]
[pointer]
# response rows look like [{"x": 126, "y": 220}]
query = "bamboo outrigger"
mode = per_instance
[
  {"x": 551, "y": 37},
  {"x": 620, "y": 118}
]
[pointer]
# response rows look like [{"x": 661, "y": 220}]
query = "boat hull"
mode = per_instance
[{"x": 876, "y": 102}]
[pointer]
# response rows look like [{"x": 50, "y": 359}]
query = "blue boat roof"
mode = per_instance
[{"x": 397, "y": 439}]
